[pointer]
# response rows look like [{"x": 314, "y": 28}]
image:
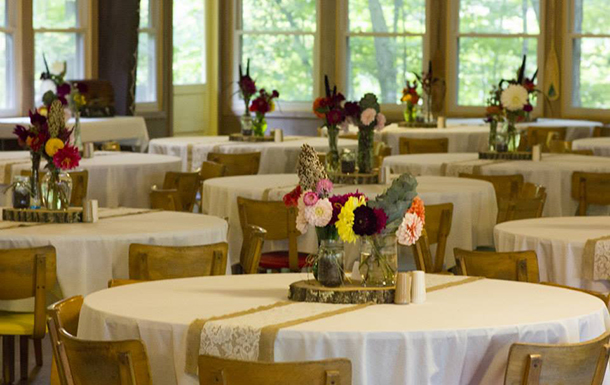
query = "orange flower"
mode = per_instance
[
  {"x": 418, "y": 208},
  {"x": 317, "y": 104}
]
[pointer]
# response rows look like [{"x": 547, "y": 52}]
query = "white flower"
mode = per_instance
[
  {"x": 410, "y": 229},
  {"x": 302, "y": 223},
  {"x": 319, "y": 214},
  {"x": 58, "y": 67},
  {"x": 368, "y": 116},
  {"x": 514, "y": 97}
]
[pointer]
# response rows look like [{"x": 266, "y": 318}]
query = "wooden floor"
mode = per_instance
[{"x": 38, "y": 375}]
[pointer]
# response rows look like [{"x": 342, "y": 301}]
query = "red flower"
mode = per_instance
[
  {"x": 529, "y": 85},
  {"x": 37, "y": 142},
  {"x": 382, "y": 220},
  {"x": 247, "y": 86},
  {"x": 528, "y": 108},
  {"x": 260, "y": 105},
  {"x": 352, "y": 109},
  {"x": 317, "y": 107},
  {"x": 22, "y": 134},
  {"x": 334, "y": 117},
  {"x": 66, "y": 158},
  {"x": 292, "y": 198}
]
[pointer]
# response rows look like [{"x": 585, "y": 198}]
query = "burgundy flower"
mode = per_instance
[
  {"x": 260, "y": 105},
  {"x": 382, "y": 220},
  {"x": 36, "y": 119},
  {"x": 528, "y": 108},
  {"x": 352, "y": 109},
  {"x": 334, "y": 117},
  {"x": 292, "y": 198},
  {"x": 365, "y": 221},
  {"x": 336, "y": 100},
  {"x": 63, "y": 100},
  {"x": 63, "y": 90},
  {"x": 38, "y": 141},
  {"x": 66, "y": 158},
  {"x": 275, "y": 94},
  {"x": 22, "y": 134},
  {"x": 338, "y": 201},
  {"x": 82, "y": 88},
  {"x": 247, "y": 86}
]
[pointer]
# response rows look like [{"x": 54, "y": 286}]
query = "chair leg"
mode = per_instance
[
  {"x": 23, "y": 356},
  {"x": 8, "y": 359},
  {"x": 38, "y": 351}
]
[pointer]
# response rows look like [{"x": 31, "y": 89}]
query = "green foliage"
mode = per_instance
[
  {"x": 189, "y": 42},
  {"x": 397, "y": 199},
  {"x": 369, "y": 101}
]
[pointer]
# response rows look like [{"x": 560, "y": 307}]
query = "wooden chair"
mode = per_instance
[
  {"x": 381, "y": 150},
  {"x": 280, "y": 223},
  {"x": 80, "y": 185},
  {"x": 215, "y": 370},
  {"x": 580, "y": 363},
  {"x": 521, "y": 208},
  {"x": 122, "y": 282},
  {"x": 605, "y": 297},
  {"x": 436, "y": 231},
  {"x": 560, "y": 146},
  {"x": 544, "y": 135},
  {"x": 590, "y": 188},
  {"x": 63, "y": 314},
  {"x": 151, "y": 263},
  {"x": 531, "y": 190},
  {"x": 237, "y": 164},
  {"x": 165, "y": 199},
  {"x": 187, "y": 184},
  {"x": 251, "y": 249},
  {"x": 516, "y": 266},
  {"x": 423, "y": 146},
  {"x": 24, "y": 273},
  {"x": 111, "y": 146},
  {"x": 583, "y": 152},
  {"x": 209, "y": 170},
  {"x": 506, "y": 186}
]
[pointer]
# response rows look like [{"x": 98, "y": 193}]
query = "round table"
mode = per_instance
[
  {"x": 559, "y": 244},
  {"x": 474, "y": 208},
  {"x": 554, "y": 172},
  {"x": 115, "y": 178},
  {"x": 460, "y": 335},
  {"x": 275, "y": 157},
  {"x": 599, "y": 146}
]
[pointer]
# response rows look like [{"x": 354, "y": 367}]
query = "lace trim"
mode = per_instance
[{"x": 596, "y": 259}]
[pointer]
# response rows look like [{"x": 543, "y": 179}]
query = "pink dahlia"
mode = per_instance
[
  {"x": 409, "y": 230},
  {"x": 368, "y": 116}
]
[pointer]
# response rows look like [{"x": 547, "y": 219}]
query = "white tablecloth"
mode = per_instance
[
  {"x": 600, "y": 146},
  {"x": 460, "y": 335},
  {"x": 559, "y": 243},
  {"x": 554, "y": 172},
  {"x": 90, "y": 254},
  {"x": 461, "y": 138},
  {"x": 129, "y": 130},
  {"x": 275, "y": 157},
  {"x": 474, "y": 211},
  {"x": 115, "y": 178}
]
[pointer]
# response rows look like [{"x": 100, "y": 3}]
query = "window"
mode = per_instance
[
  {"x": 279, "y": 38},
  {"x": 490, "y": 41},
  {"x": 588, "y": 47},
  {"x": 189, "y": 42},
  {"x": 146, "y": 82},
  {"x": 385, "y": 45},
  {"x": 59, "y": 34},
  {"x": 7, "y": 58}
]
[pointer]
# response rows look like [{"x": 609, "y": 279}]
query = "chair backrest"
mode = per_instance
[
  {"x": 278, "y": 220},
  {"x": 519, "y": 266},
  {"x": 560, "y": 146},
  {"x": 65, "y": 315},
  {"x": 165, "y": 199},
  {"x": 151, "y": 263},
  {"x": 381, "y": 150},
  {"x": 580, "y": 363},
  {"x": 521, "y": 208},
  {"x": 28, "y": 273},
  {"x": 436, "y": 231},
  {"x": 590, "y": 188},
  {"x": 187, "y": 184},
  {"x": 106, "y": 362},
  {"x": 251, "y": 248},
  {"x": 237, "y": 164},
  {"x": 122, "y": 282},
  {"x": 544, "y": 135},
  {"x": 80, "y": 185},
  {"x": 215, "y": 370},
  {"x": 506, "y": 186},
  {"x": 211, "y": 170},
  {"x": 531, "y": 190},
  {"x": 111, "y": 146},
  {"x": 423, "y": 146}
]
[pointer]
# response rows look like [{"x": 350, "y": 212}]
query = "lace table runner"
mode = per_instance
[
  {"x": 596, "y": 259},
  {"x": 250, "y": 335}
]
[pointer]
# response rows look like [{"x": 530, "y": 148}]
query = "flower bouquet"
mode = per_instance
[
  {"x": 411, "y": 98},
  {"x": 48, "y": 138},
  {"x": 247, "y": 89},
  {"x": 330, "y": 109},
  {"x": 428, "y": 81},
  {"x": 261, "y": 106},
  {"x": 367, "y": 116},
  {"x": 397, "y": 214}
]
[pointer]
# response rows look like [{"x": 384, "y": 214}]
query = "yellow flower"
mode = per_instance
[
  {"x": 79, "y": 100},
  {"x": 271, "y": 106},
  {"x": 406, "y": 98},
  {"x": 345, "y": 221},
  {"x": 53, "y": 145},
  {"x": 43, "y": 111}
]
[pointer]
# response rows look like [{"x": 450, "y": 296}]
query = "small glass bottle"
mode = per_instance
[{"x": 21, "y": 192}]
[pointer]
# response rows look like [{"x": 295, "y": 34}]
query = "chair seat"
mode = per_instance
[
  {"x": 277, "y": 260},
  {"x": 16, "y": 324}
]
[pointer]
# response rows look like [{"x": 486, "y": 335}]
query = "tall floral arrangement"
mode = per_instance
[
  {"x": 367, "y": 115},
  {"x": 247, "y": 86},
  {"x": 410, "y": 97},
  {"x": 330, "y": 109},
  {"x": 261, "y": 105},
  {"x": 428, "y": 81}
]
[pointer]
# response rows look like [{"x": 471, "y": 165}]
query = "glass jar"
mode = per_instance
[
  {"x": 348, "y": 162},
  {"x": 410, "y": 112},
  {"x": 330, "y": 262},
  {"x": 379, "y": 260},
  {"x": 493, "y": 134},
  {"x": 56, "y": 190},
  {"x": 259, "y": 126},
  {"x": 332, "y": 157},
  {"x": 512, "y": 135},
  {"x": 21, "y": 192},
  {"x": 246, "y": 124},
  {"x": 365, "y": 150},
  {"x": 35, "y": 197}
]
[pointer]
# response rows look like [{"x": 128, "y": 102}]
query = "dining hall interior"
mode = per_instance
[{"x": 304, "y": 192}]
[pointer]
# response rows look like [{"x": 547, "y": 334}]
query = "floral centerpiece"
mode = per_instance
[
  {"x": 48, "y": 138},
  {"x": 368, "y": 117},
  {"x": 428, "y": 81},
  {"x": 330, "y": 109},
  {"x": 494, "y": 114},
  {"x": 410, "y": 97},
  {"x": 247, "y": 89},
  {"x": 397, "y": 214},
  {"x": 261, "y": 106}
]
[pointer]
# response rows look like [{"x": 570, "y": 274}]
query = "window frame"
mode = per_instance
[
  {"x": 11, "y": 29},
  {"x": 567, "y": 87},
  {"x": 286, "y": 108},
  {"x": 155, "y": 29},
  {"x": 452, "y": 60},
  {"x": 343, "y": 34}
]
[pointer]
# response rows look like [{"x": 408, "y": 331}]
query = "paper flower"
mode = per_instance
[
  {"x": 368, "y": 116},
  {"x": 320, "y": 214},
  {"x": 310, "y": 198},
  {"x": 345, "y": 222},
  {"x": 66, "y": 158},
  {"x": 324, "y": 187},
  {"x": 52, "y": 146},
  {"x": 514, "y": 97},
  {"x": 409, "y": 230}
]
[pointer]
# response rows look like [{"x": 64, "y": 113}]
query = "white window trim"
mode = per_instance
[
  {"x": 284, "y": 109},
  {"x": 14, "y": 88},
  {"x": 569, "y": 110},
  {"x": 453, "y": 35},
  {"x": 156, "y": 29},
  {"x": 390, "y": 109}
]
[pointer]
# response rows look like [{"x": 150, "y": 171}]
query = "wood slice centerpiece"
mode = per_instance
[
  {"x": 505, "y": 155},
  {"x": 417, "y": 125},
  {"x": 351, "y": 293},
  {"x": 71, "y": 215},
  {"x": 355, "y": 178},
  {"x": 250, "y": 138}
]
